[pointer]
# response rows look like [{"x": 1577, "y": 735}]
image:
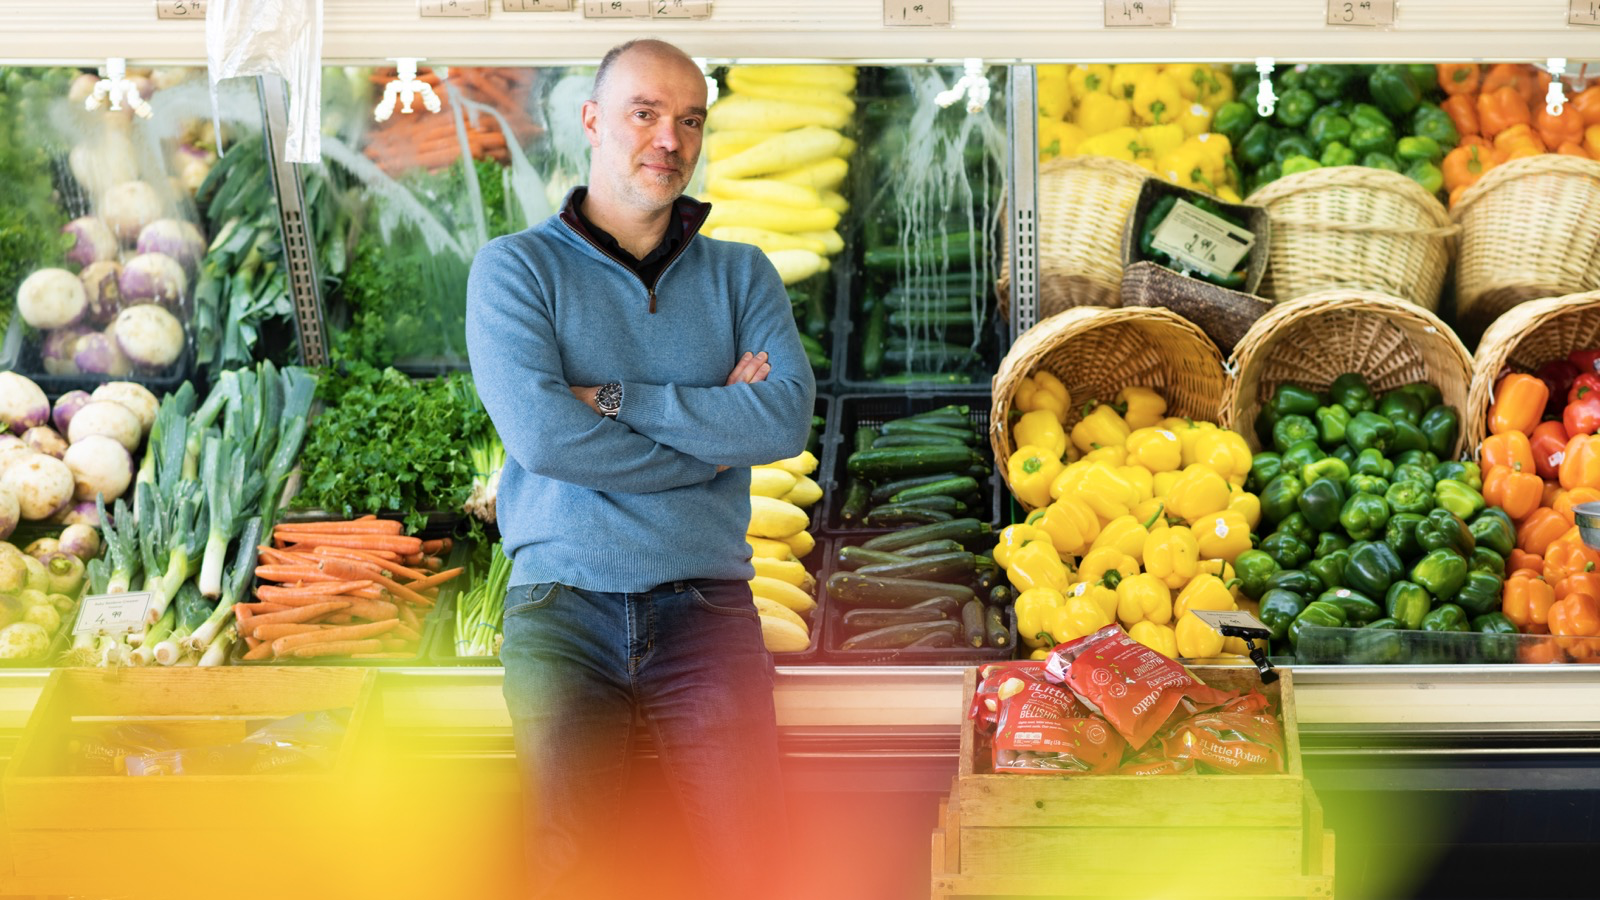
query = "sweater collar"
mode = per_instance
[{"x": 690, "y": 215}]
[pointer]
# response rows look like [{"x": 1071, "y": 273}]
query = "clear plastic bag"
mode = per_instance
[{"x": 273, "y": 37}]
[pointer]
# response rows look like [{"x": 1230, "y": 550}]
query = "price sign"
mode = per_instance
[
  {"x": 1138, "y": 13},
  {"x": 916, "y": 12},
  {"x": 180, "y": 9},
  {"x": 1237, "y": 618},
  {"x": 1201, "y": 240},
  {"x": 1361, "y": 13},
  {"x": 1584, "y": 12},
  {"x": 536, "y": 5},
  {"x": 616, "y": 9},
  {"x": 112, "y": 613},
  {"x": 453, "y": 9},
  {"x": 680, "y": 9}
]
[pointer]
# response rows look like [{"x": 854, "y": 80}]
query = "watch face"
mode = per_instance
[{"x": 609, "y": 398}]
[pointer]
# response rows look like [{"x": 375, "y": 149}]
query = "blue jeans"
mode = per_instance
[{"x": 689, "y": 657}]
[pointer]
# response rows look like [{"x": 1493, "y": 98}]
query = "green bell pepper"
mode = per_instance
[
  {"x": 1320, "y": 613},
  {"x": 1344, "y": 452},
  {"x": 1296, "y": 524},
  {"x": 1409, "y": 497},
  {"x": 1327, "y": 81},
  {"x": 1264, "y": 175},
  {"x": 1265, "y": 419},
  {"x": 1399, "y": 405},
  {"x": 1358, "y": 607},
  {"x": 1232, "y": 120},
  {"x": 1368, "y": 484},
  {"x": 1387, "y": 623},
  {"x": 1296, "y": 164},
  {"x": 1327, "y": 127},
  {"x": 1255, "y": 148},
  {"x": 1407, "y": 437},
  {"x": 1493, "y": 529},
  {"x": 1487, "y": 561},
  {"x": 1352, "y": 392},
  {"x": 1498, "y": 641},
  {"x": 1430, "y": 121},
  {"x": 1293, "y": 77},
  {"x": 1372, "y": 462},
  {"x": 1408, "y": 473},
  {"x": 1480, "y": 594},
  {"x": 1331, "y": 424},
  {"x": 1443, "y": 529},
  {"x": 1416, "y": 149},
  {"x": 1442, "y": 425},
  {"x": 1425, "y": 173},
  {"x": 1374, "y": 140},
  {"x": 1426, "y": 392},
  {"x": 1320, "y": 503},
  {"x": 1330, "y": 569},
  {"x": 1379, "y": 159},
  {"x": 1327, "y": 467},
  {"x": 1376, "y": 644},
  {"x": 1294, "y": 400},
  {"x": 1407, "y": 603},
  {"x": 1458, "y": 498},
  {"x": 1365, "y": 114},
  {"x": 1401, "y": 535},
  {"x": 1394, "y": 90},
  {"x": 1336, "y": 153},
  {"x": 1253, "y": 568},
  {"x": 1443, "y": 572},
  {"x": 1467, "y": 473},
  {"x": 1263, "y": 468},
  {"x": 1373, "y": 567},
  {"x": 1291, "y": 430},
  {"x": 1279, "y": 609},
  {"x": 1368, "y": 429},
  {"x": 1295, "y": 107},
  {"x": 1280, "y": 497},
  {"x": 1423, "y": 458},
  {"x": 1297, "y": 580},
  {"x": 1287, "y": 550},
  {"x": 1327, "y": 542},
  {"x": 1364, "y": 516},
  {"x": 1426, "y": 75},
  {"x": 1445, "y": 617},
  {"x": 1302, "y": 454}
]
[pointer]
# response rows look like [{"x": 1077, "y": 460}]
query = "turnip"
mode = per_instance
[
  {"x": 59, "y": 347},
  {"x": 103, "y": 417},
  {"x": 12, "y": 609},
  {"x": 98, "y": 354},
  {"x": 23, "y": 641},
  {"x": 105, "y": 160},
  {"x": 42, "y": 484},
  {"x": 153, "y": 278},
  {"x": 102, "y": 290},
  {"x": 66, "y": 573},
  {"x": 52, "y": 298},
  {"x": 100, "y": 467},
  {"x": 150, "y": 336},
  {"x": 92, "y": 241},
  {"x": 82, "y": 541},
  {"x": 13, "y": 572},
  {"x": 177, "y": 239},
  {"x": 38, "y": 580},
  {"x": 81, "y": 513},
  {"x": 22, "y": 404},
  {"x": 136, "y": 397},
  {"x": 128, "y": 207},
  {"x": 67, "y": 406},
  {"x": 43, "y": 615},
  {"x": 9, "y": 514},
  {"x": 13, "y": 450},
  {"x": 44, "y": 439},
  {"x": 42, "y": 547}
]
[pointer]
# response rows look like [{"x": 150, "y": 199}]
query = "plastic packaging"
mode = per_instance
[
  {"x": 1242, "y": 737},
  {"x": 273, "y": 37},
  {"x": 1043, "y": 729}
]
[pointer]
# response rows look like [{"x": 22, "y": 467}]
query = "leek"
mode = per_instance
[
  {"x": 299, "y": 389},
  {"x": 122, "y": 548},
  {"x": 233, "y": 588},
  {"x": 168, "y": 430},
  {"x": 184, "y": 511},
  {"x": 192, "y": 612},
  {"x": 217, "y": 650},
  {"x": 145, "y": 653}
]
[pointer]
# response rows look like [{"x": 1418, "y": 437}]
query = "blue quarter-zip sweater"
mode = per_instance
[{"x": 627, "y": 504}]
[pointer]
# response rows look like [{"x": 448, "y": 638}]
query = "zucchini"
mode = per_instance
[
  {"x": 852, "y": 557},
  {"x": 1002, "y": 595},
  {"x": 855, "y": 500},
  {"x": 959, "y": 486},
  {"x": 896, "y": 637},
  {"x": 929, "y": 548},
  {"x": 932, "y": 318},
  {"x": 935, "y": 641},
  {"x": 964, "y": 530},
  {"x": 884, "y": 491},
  {"x": 857, "y": 621},
  {"x": 944, "y": 567},
  {"x": 947, "y": 605},
  {"x": 898, "y": 299},
  {"x": 996, "y": 634},
  {"x": 872, "y": 341},
  {"x": 972, "y": 622},
  {"x": 988, "y": 579},
  {"x": 892, "y": 515},
  {"x": 938, "y": 501},
  {"x": 927, "y": 377},
  {"x": 958, "y": 411},
  {"x": 853, "y": 589},
  {"x": 935, "y": 355},
  {"x": 866, "y": 437},
  {"x": 953, "y": 250},
  {"x": 903, "y": 462},
  {"x": 917, "y": 440},
  {"x": 923, "y": 429},
  {"x": 816, "y": 355}
]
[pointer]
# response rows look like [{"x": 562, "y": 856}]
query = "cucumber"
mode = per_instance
[
  {"x": 988, "y": 579},
  {"x": 953, "y": 250},
  {"x": 923, "y": 429},
  {"x": 967, "y": 531},
  {"x": 872, "y": 341},
  {"x": 972, "y": 622},
  {"x": 932, "y": 318},
  {"x": 884, "y": 491},
  {"x": 959, "y": 486},
  {"x": 995, "y": 632},
  {"x": 901, "y": 299},
  {"x": 857, "y": 621},
  {"x": 927, "y": 378},
  {"x": 852, "y": 557},
  {"x": 855, "y": 500},
  {"x": 917, "y": 440},
  {"x": 953, "y": 416},
  {"x": 929, "y": 548},
  {"x": 892, "y": 515},
  {"x": 1002, "y": 595},
  {"x": 944, "y": 567},
  {"x": 904, "y": 462},
  {"x": 816, "y": 355},
  {"x": 896, "y": 637},
  {"x": 866, "y": 437},
  {"x": 936, "y": 640},
  {"x": 940, "y": 502},
  {"x": 852, "y": 589},
  {"x": 947, "y": 605},
  {"x": 941, "y": 355}
]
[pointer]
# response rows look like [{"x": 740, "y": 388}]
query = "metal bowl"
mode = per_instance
[{"x": 1588, "y": 517}]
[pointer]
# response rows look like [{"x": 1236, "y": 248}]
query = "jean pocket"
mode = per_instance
[
  {"x": 726, "y": 598},
  {"x": 525, "y": 597}
]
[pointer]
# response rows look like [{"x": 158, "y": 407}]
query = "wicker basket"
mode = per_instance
[
  {"x": 1222, "y": 314},
  {"x": 1084, "y": 202},
  {"x": 1529, "y": 229},
  {"x": 1524, "y": 339},
  {"x": 1313, "y": 340},
  {"x": 1097, "y": 352},
  {"x": 1355, "y": 228}
]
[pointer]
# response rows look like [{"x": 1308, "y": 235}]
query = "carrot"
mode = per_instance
[
  {"x": 364, "y": 525},
  {"x": 436, "y": 579},
  {"x": 407, "y": 632},
  {"x": 409, "y": 618},
  {"x": 300, "y": 614},
  {"x": 396, "y": 645},
  {"x": 391, "y": 568},
  {"x": 433, "y": 548},
  {"x": 252, "y": 642},
  {"x": 283, "y": 645},
  {"x": 432, "y": 562},
  {"x": 345, "y": 568},
  {"x": 295, "y": 573},
  {"x": 415, "y": 559},
  {"x": 297, "y": 602},
  {"x": 319, "y": 589},
  {"x": 397, "y": 543},
  {"x": 273, "y": 555},
  {"x": 337, "y": 648},
  {"x": 383, "y": 655},
  {"x": 261, "y": 650},
  {"x": 273, "y": 632}
]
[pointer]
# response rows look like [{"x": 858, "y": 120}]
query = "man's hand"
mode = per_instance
[
  {"x": 587, "y": 395},
  {"x": 752, "y": 367}
]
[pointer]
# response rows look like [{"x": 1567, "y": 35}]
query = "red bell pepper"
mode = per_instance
[
  {"x": 1558, "y": 375},
  {"x": 1582, "y": 415},
  {"x": 1585, "y": 360},
  {"x": 1582, "y": 386},
  {"x": 1548, "y": 444}
]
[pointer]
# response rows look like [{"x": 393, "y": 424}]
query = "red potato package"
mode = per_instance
[
  {"x": 1243, "y": 737},
  {"x": 996, "y": 682},
  {"x": 1133, "y": 686},
  {"x": 1154, "y": 761},
  {"x": 1043, "y": 729}
]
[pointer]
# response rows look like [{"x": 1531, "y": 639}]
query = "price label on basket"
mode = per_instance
[
  {"x": 1361, "y": 13},
  {"x": 1584, "y": 12},
  {"x": 1201, "y": 240},
  {"x": 616, "y": 9},
  {"x": 1138, "y": 13},
  {"x": 536, "y": 5},
  {"x": 680, "y": 9},
  {"x": 1223, "y": 618},
  {"x": 453, "y": 9},
  {"x": 916, "y": 12},
  {"x": 112, "y": 613},
  {"x": 180, "y": 9}
]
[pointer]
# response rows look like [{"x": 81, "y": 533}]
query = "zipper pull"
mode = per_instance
[{"x": 652, "y": 301}]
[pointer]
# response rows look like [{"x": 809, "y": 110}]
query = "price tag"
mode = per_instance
[
  {"x": 1361, "y": 13},
  {"x": 1138, "y": 13},
  {"x": 680, "y": 9},
  {"x": 916, "y": 12},
  {"x": 180, "y": 9},
  {"x": 1238, "y": 618},
  {"x": 1584, "y": 12},
  {"x": 536, "y": 5},
  {"x": 453, "y": 9},
  {"x": 616, "y": 9},
  {"x": 1201, "y": 240},
  {"x": 112, "y": 613}
]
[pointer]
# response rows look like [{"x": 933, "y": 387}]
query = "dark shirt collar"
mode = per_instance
[{"x": 689, "y": 213}]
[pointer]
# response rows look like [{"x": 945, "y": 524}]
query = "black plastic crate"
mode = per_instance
[
  {"x": 855, "y": 411},
  {"x": 851, "y": 327},
  {"x": 20, "y": 354}
]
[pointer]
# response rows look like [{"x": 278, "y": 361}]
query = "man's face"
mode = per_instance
[{"x": 646, "y": 129}]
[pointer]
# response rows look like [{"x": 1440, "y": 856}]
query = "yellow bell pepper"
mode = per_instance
[
  {"x": 1059, "y": 138},
  {"x": 1143, "y": 598},
  {"x": 1144, "y": 406},
  {"x": 1199, "y": 492},
  {"x": 1144, "y": 484},
  {"x": 1098, "y": 564},
  {"x": 1160, "y": 638},
  {"x": 1155, "y": 448},
  {"x": 1224, "y": 451},
  {"x": 1012, "y": 537},
  {"x": 1040, "y": 429},
  {"x": 1101, "y": 113},
  {"x": 1115, "y": 457},
  {"x": 1156, "y": 99},
  {"x": 1041, "y": 390},
  {"x": 1069, "y": 479},
  {"x": 1089, "y": 79},
  {"x": 1189, "y": 431},
  {"x": 1040, "y": 653},
  {"x": 1195, "y": 120},
  {"x": 1216, "y": 148},
  {"x": 1161, "y": 484},
  {"x": 1183, "y": 75},
  {"x": 1081, "y": 616},
  {"x": 1035, "y": 565},
  {"x": 1204, "y": 592},
  {"x": 1055, "y": 96},
  {"x": 1222, "y": 535},
  {"x": 1124, "y": 534},
  {"x": 1125, "y": 78},
  {"x": 1222, "y": 569},
  {"x": 1247, "y": 505},
  {"x": 1172, "y": 555},
  {"x": 1102, "y": 596},
  {"x": 1106, "y": 492},
  {"x": 1034, "y": 608},
  {"x": 1239, "y": 647},
  {"x": 1030, "y": 471},
  {"x": 1159, "y": 140},
  {"x": 1152, "y": 514},
  {"x": 1220, "y": 89},
  {"x": 1102, "y": 427},
  {"x": 1188, "y": 166},
  {"x": 1229, "y": 193},
  {"x": 1070, "y": 524},
  {"x": 1196, "y": 639}
]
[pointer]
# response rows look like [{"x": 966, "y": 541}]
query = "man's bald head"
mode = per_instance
[{"x": 641, "y": 46}]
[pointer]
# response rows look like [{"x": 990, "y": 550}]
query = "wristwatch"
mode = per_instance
[{"x": 609, "y": 399}]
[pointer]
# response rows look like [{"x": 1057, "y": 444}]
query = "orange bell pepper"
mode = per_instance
[
  {"x": 1510, "y": 448},
  {"x": 1568, "y": 148},
  {"x": 1568, "y": 555},
  {"x": 1552, "y": 492},
  {"x": 1539, "y": 530},
  {"x": 1576, "y": 616},
  {"x": 1591, "y": 140},
  {"x": 1476, "y": 140},
  {"x": 1501, "y": 109},
  {"x": 1463, "y": 166},
  {"x": 1587, "y": 103},
  {"x": 1529, "y": 82},
  {"x": 1581, "y": 465},
  {"x": 1516, "y": 492},
  {"x": 1583, "y": 583},
  {"x": 1518, "y": 141},
  {"x": 1566, "y": 128},
  {"x": 1568, "y": 499},
  {"x": 1459, "y": 78},
  {"x": 1548, "y": 443},
  {"x": 1519, "y": 402},
  {"x": 1526, "y": 601},
  {"x": 1539, "y": 652},
  {"x": 1520, "y": 560},
  {"x": 1463, "y": 111}
]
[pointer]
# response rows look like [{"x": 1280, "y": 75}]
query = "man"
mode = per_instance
[{"x": 634, "y": 370}]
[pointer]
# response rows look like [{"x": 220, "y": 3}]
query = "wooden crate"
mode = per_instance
[{"x": 1123, "y": 835}]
